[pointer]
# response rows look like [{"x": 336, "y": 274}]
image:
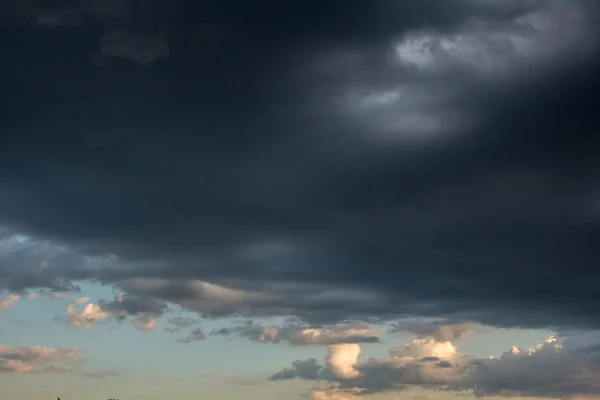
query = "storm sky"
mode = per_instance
[{"x": 332, "y": 179}]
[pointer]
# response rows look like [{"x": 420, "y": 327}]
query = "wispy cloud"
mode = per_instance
[
  {"x": 195, "y": 336},
  {"x": 26, "y": 359}
]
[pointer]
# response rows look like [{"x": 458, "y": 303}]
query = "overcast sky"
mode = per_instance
[{"x": 335, "y": 199}]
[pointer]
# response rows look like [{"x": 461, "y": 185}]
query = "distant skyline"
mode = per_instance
[{"x": 333, "y": 200}]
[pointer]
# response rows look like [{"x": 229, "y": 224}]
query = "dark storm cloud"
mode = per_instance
[
  {"x": 337, "y": 160},
  {"x": 55, "y": 14},
  {"x": 126, "y": 305},
  {"x": 143, "y": 49}
]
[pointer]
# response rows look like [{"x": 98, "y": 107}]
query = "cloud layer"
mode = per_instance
[
  {"x": 391, "y": 170},
  {"x": 341, "y": 164},
  {"x": 304, "y": 335},
  {"x": 548, "y": 370}
]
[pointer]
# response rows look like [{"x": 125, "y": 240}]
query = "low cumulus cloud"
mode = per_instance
[
  {"x": 144, "y": 322},
  {"x": 547, "y": 370},
  {"x": 124, "y": 305},
  {"x": 341, "y": 359},
  {"x": 309, "y": 369},
  {"x": 143, "y": 312},
  {"x": 83, "y": 314},
  {"x": 27, "y": 359}
]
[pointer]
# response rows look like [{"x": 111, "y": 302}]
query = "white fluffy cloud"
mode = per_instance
[
  {"x": 341, "y": 359},
  {"x": 421, "y": 362},
  {"x": 85, "y": 317}
]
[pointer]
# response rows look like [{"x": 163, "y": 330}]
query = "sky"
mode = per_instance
[{"x": 332, "y": 200}]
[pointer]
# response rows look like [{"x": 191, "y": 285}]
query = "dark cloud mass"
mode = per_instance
[{"x": 330, "y": 160}]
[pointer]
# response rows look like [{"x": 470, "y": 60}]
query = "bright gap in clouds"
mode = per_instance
[
  {"x": 409, "y": 114},
  {"x": 559, "y": 28},
  {"x": 423, "y": 109}
]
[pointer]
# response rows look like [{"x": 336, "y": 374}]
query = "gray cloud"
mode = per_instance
[
  {"x": 144, "y": 322},
  {"x": 548, "y": 370},
  {"x": 302, "y": 369},
  {"x": 195, "y": 336},
  {"x": 440, "y": 330},
  {"x": 82, "y": 313},
  {"x": 304, "y": 335},
  {"x": 141, "y": 48},
  {"x": 61, "y": 14},
  {"x": 414, "y": 159},
  {"x": 124, "y": 305},
  {"x": 259, "y": 173}
]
